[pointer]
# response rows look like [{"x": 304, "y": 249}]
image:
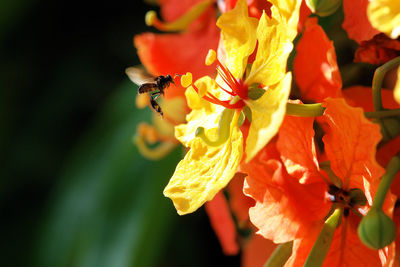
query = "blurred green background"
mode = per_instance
[{"x": 74, "y": 190}]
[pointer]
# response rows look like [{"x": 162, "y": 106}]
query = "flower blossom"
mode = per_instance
[
  {"x": 294, "y": 189},
  {"x": 210, "y": 165}
]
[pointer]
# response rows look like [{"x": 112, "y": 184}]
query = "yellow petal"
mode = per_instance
[
  {"x": 267, "y": 115},
  {"x": 287, "y": 11},
  {"x": 397, "y": 87},
  {"x": 238, "y": 32},
  {"x": 204, "y": 171},
  {"x": 384, "y": 15},
  {"x": 204, "y": 113},
  {"x": 274, "y": 47}
]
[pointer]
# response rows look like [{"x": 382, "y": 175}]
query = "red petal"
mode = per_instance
[
  {"x": 222, "y": 223},
  {"x": 315, "y": 66},
  {"x": 378, "y": 50},
  {"x": 356, "y": 22},
  {"x": 350, "y": 144}
]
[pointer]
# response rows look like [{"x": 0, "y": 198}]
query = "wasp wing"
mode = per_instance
[{"x": 138, "y": 75}]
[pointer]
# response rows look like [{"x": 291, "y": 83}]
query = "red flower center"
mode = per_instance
[{"x": 236, "y": 88}]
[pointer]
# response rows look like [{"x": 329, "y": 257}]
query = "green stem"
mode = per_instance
[
  {"x": 321, "y": 246},
  {"x": 314, "y": 110},
  {"x": 383, "y": 113},
  {"x": 280, "y": 255},
  {"x": 304, "y": 110},
  {"x": 378, "y": 79},
  {"x": 391, "y": 170}
]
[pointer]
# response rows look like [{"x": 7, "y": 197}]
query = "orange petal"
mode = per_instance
[
  {"x": 284, "y": 209},
  {"x": 305, "y": 12},
  {"x": 346, "y": 249},
  {"x": 315, "y": 67},
  {"x": 361, "y": 96},
  {"x": 350, "y": 144},
  {"x": 297, "y": 148},
  {"x": 222, "y": 223},
  {"x": 178, "y": 53},
  {"x": 239, "y": 202},
  {"x": 383, "y": 156},
  {"x": 378, "y": 50},
  {"x": 356, "y": 22},
  {"x": 173, "y": 9},
  {"x": 257, "y": 251}
]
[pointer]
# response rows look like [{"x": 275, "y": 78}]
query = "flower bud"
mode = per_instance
[
  {"x": 323, "y": 8},
  {"x": 376, "y": 230}
]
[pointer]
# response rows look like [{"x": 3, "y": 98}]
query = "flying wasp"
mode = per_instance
[{"x": 155, "y": 86}]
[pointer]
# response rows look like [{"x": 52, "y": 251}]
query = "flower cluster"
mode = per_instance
[{"x": 283, "y": 143}]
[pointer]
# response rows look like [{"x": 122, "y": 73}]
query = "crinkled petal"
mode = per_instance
[
  {"x": 288, "y": 12},
  {"x": 347, "y": 252},
  {"x": 315, "y": 67},
  {"x": 238, "y": 33},
  {"x": 203, "y": 113},
  {"x": 385, "y": 16},
  {"x": 274, "y": 47},
  {"x": 285, "y": 209},
  {"x": 267, "y": 115},
  {"x": 297, "y": 148},
  {"x": 350, "y": 144},
  {"x": 204, "y": 171},
  {"x": 378, "y": 50},
  {"x": 356, "y": 22}
]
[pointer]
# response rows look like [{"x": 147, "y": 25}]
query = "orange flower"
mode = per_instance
[
  {"x": 315, "y": 68},
  {"x": 293, "y": 196},
  {"x": 356, "y": 22},
  {"x": 361, "y": 96},
  {"x": 378, "y": 50}
]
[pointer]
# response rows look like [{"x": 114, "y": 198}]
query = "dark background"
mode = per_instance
[{"x": 74, "y": 191}]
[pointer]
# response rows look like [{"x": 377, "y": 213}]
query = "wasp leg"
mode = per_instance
[
  {"x": 155, "y": 95},
  {"x": 156, "y": 106}
]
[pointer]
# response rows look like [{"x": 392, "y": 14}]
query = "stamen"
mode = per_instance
[
  {"x": 181, "y": 23},
  {"x": 155, "y": 153},
  {"x": 224, "y": 127},
  {"x": 186, "y": 80},
  {"x": 211, "y": 57}
]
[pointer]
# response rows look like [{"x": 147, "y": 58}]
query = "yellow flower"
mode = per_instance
[
  {"x": 384, "y": 15},
  {"x": 212, "y": 132}
]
